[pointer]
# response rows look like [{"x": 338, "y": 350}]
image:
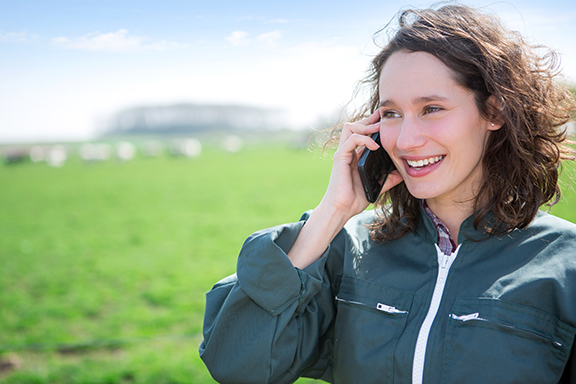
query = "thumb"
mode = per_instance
[{"x": 393, "y": 179}]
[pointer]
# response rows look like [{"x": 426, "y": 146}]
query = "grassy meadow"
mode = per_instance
[{"x": 104, "y": 267}]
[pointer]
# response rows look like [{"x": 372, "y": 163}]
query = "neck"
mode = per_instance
[{"x": 452, "y": 215}]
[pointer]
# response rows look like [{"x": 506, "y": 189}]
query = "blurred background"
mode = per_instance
[{"x": 143, "y": 141}]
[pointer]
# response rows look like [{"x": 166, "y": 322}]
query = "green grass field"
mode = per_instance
[
  {"x": 118, "y": 256},
  {"x": 104, "y": 267}
]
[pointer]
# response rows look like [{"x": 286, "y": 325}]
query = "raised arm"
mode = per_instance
[
  {"x": 271, "y": 322},
  {"x": 344, "y": 197}
]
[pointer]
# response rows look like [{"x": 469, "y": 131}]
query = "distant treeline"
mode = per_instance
[{"x": 193, "y": 118}]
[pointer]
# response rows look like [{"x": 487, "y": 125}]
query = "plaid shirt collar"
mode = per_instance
[{"x": 445, "y": 242}]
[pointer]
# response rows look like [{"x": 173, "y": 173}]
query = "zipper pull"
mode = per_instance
[
  {"x": 388, "y": 308},
  {"x": 472, "y": 316},
  {"x": 445, "y": 261}
]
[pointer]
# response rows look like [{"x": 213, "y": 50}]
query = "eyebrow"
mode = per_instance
[{"x": 417, "y": 100}]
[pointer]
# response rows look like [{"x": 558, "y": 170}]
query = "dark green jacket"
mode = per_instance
[{"x": 505, "y": 313}]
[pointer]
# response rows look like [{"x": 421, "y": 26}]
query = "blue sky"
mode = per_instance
[{"x": 66, "y": 66}]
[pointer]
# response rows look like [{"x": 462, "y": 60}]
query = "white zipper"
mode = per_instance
[
  {"x": 472, "y": 316},
  {"x": 388, "y": 309},
  {"x": 476, "y": 316},
  {"x": 444, "y": 264},
  {"x": 379, "y": 306}
]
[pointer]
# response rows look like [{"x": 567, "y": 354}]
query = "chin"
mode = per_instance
[{"x": 421, "y": 194}]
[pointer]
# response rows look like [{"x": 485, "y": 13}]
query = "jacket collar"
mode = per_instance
[{"x": 427, "y": 230}]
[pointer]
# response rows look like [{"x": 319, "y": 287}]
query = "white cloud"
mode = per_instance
[
  {"x": 119, "y": 41},
  {"x": 308, "y": 80},
  {"x": 313, "y": 79},
  {"x": 238, "y": 38},
  {"x": 270, "y": 39},
  {"x": 16, "y": 37}
]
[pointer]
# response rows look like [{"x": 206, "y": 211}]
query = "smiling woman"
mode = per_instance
[
  {"x": 512, "y": 85},
  {"x": 434, "y": 132},
  {"x": 456, "y": 276}
]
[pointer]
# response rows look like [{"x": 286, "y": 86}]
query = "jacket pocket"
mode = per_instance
[
  {"x": 493, "y": 341},
  {"x": 369, "y": 322}
]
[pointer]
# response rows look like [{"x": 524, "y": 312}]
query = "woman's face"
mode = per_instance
[{"x": 432, "y": 128}]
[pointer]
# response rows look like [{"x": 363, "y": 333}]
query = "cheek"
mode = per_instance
[
  {"x": 388, "y": 138},
  {"x": 474, "y": 142}
]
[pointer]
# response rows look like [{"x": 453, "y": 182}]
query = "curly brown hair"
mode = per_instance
[{"x": 522, "y": 159}]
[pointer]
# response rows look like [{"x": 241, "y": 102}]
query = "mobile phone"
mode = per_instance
[{"x": 374, "y": 168}]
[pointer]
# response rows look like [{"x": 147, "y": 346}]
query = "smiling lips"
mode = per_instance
[{"x": 424, "y": 162}]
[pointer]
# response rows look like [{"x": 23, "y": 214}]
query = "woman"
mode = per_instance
[{"x": 456, "y": 276}]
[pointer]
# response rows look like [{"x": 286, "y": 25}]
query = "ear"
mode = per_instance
[{"x": 495, "y": 107}]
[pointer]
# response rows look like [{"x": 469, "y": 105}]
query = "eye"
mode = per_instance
[
  {"x": 389, "y": 115},
  {"x": 431, "y": 109}
]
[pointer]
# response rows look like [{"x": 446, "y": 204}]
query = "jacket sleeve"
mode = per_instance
[{"x": 269, "y": 323}]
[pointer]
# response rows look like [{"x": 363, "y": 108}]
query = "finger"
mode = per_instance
[
  {"x": 373, "y": 118},
  {"x": 393, "y": 179},
  {"x": 350, "y": 129},
  {"x": 356, "y": 142}
]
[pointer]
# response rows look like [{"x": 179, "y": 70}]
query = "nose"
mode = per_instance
[{"x": 410, "y": 136}]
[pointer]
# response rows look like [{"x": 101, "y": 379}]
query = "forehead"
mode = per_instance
[{"x": 415, "y": 73}]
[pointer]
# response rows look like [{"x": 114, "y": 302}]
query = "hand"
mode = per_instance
[
  {"x": 345, "y": 193},
  {"x": 344, "y": 197}
]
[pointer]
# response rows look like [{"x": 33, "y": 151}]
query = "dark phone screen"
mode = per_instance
[{"x": 374, "y": 167}]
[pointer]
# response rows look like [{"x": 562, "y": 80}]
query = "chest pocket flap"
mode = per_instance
[
  {"x": 369, "y": 322},
  {"x": 503, "y": 342}
]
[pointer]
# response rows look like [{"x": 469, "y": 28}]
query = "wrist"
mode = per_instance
[
  {"x": 316, "y": 235},
  {"x": 328, "y": 219}
]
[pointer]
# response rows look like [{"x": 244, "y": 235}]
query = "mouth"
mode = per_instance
[{"x": 423, "y": 163}]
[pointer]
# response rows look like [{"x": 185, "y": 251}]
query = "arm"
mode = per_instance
[
  {"x": 272, "y": 322},
  {"x": 344, "y": 197},
  {"x": 264, "y": 324}
]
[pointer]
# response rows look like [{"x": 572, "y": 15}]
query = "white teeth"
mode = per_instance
[{"x": 424, "y": 162}]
